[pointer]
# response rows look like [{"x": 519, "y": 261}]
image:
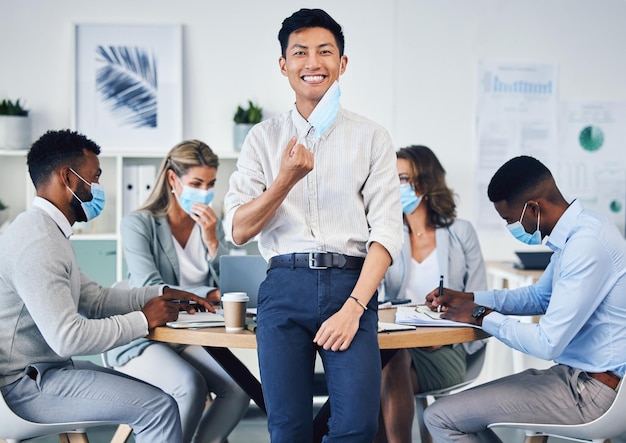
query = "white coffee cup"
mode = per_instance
[{"x": 234, "y": 305}]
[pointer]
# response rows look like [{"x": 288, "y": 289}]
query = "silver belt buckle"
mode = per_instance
[{"x": 312, "y": 262}]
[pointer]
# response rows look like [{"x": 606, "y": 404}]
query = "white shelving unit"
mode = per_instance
[{"x": 98, "y": 241}]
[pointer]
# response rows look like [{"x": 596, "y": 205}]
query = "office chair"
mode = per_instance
[
  {"x": 610, "y": 424},
  {"x": 15, "y": 429},
  {"x": 475, "y": 363}
]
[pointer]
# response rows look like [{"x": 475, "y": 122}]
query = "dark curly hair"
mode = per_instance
[
  {"x": 515, "y": 179},
  {"x": 55, "y": 149}
]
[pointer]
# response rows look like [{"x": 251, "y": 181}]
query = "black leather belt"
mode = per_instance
[{"x": 316, "y": 260}]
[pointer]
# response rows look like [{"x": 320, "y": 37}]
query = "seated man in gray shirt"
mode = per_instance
[{"x": 50, "y": 311}]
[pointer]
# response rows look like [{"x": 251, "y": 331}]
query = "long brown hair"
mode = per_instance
[
  {"x": 180, "y": 159},
  {"x": 429, "y": 179}
]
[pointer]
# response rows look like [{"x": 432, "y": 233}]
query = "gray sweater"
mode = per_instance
[{"x": 49, "y": 310}]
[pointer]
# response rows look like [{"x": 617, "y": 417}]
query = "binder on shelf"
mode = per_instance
[
  {"x": 137, "y": 183},
  {"x": 130, "y": 184},
  {"x": 146, "y": 177}
]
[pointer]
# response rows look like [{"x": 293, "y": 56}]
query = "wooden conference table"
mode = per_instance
[{"x": 217, "y": 342}]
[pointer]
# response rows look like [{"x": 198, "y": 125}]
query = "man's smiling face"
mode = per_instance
[{"x": 312, "y": 64}]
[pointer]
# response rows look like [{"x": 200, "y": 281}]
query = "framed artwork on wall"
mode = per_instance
[{"x": 128, "y": 85}]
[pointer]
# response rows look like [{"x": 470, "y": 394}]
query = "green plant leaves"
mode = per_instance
[
  {"x": 253, "y": 114},
  {"x": 7, "y": 107}
]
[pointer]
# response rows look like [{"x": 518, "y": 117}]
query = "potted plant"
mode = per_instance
[
  {"x": 244, "y": 120},
  {"x": 14, "y": 125}
]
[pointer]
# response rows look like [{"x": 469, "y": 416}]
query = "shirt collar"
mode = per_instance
[
  {"x": 55, "y": 214},
  {"x": 564, "y": 225},
  {"x": 303, "y": 127}
]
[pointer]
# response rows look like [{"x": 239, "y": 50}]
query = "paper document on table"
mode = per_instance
[
  {"x": 419, "y": 317},
  {"x": 426, "y": 310},
  {"x": 197, "y": 320},
  {"x": 391, "y": 327}
]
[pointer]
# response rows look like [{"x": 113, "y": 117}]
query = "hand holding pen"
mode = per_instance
[
  {"x": 440, "y": 291},
  {"x": 447, "y": 297}
]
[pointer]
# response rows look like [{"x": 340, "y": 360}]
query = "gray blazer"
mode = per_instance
[
  {"x": 151, "y": 256},
  {"x": 460, "y": 262}
]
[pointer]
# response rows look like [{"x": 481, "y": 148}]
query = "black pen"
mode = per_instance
[
  {"x": 440, "y": 291},
  {"x": 184, "y": 302}
]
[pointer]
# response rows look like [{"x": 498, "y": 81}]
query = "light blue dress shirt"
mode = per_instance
[{"x": 581, "y": 294}]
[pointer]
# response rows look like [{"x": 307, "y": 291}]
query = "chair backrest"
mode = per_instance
[
  {"x": 475, "y": 364},
  {"x": 608, "y": 425},
  {"x": 15, "y": 428}
]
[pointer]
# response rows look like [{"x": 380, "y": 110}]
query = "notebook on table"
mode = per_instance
[
  {"x": 242, "y": 273},
  {"x": 197, "y": 320}
]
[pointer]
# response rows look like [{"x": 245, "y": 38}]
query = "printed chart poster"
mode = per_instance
[
  {"x": 516, "y": 115},
  {"x": 592, "y": 164}
]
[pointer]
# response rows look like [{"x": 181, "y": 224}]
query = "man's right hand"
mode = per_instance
[
  {"x": 250, "y": 218},
  {"x": 448, "y": 298},
  {"x": 160, "y": 310},
  {"x": 296, "y": 163}
]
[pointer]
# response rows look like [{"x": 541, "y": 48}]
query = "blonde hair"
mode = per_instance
[{"x": 180, "y": 159}]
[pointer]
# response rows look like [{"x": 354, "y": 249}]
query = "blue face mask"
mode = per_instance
[
  {"x": 518, "y": 231},
  {"x": 94, "y": 207},
  {"x": 326, "y": 111},
  {"x": 190, "y": 195},
  {"x": 410, "y": 201}
]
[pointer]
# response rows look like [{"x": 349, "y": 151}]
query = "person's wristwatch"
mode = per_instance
[{"x": 478, "y": 312}]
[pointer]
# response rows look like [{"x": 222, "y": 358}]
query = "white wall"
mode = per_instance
[{"x": 412, "y": 63}]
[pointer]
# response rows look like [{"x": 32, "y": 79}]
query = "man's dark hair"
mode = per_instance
[
  {"x": 309, "y": 18},
  {"x": 55, "y": 149},
  {"x": 516, "y": 178}
]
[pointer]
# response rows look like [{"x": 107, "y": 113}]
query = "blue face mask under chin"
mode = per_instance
[
  {"x": 93, "y": 207},
  {"x": 518, "y": 231}
]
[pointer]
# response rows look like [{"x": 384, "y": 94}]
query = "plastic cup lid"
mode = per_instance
[{"x": 235, "y": 296}]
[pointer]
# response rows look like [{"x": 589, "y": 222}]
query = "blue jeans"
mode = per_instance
[
  {"x": 293, "y": 303},
  {"x": 82, "y": 391}
]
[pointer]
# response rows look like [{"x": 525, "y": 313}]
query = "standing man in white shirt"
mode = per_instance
[{"x": 319, "y": 185}]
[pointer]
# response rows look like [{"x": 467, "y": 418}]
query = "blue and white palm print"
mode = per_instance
[{"x": 126, "y": 81}]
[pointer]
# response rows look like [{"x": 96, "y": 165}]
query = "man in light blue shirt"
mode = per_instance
[{"x": 581, "y": 297}]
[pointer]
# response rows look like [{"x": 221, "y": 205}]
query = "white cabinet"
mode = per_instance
[
  {"x": 98, "y": 242},
  {"x": 16, "y": 189}
]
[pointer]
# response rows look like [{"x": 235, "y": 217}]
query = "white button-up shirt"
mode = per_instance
[{"x": 350, "y": 199}]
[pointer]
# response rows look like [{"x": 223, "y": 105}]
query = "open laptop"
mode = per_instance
[
  {"x": 533, "y": 260},
  {"x": 242, "y": 273}
]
